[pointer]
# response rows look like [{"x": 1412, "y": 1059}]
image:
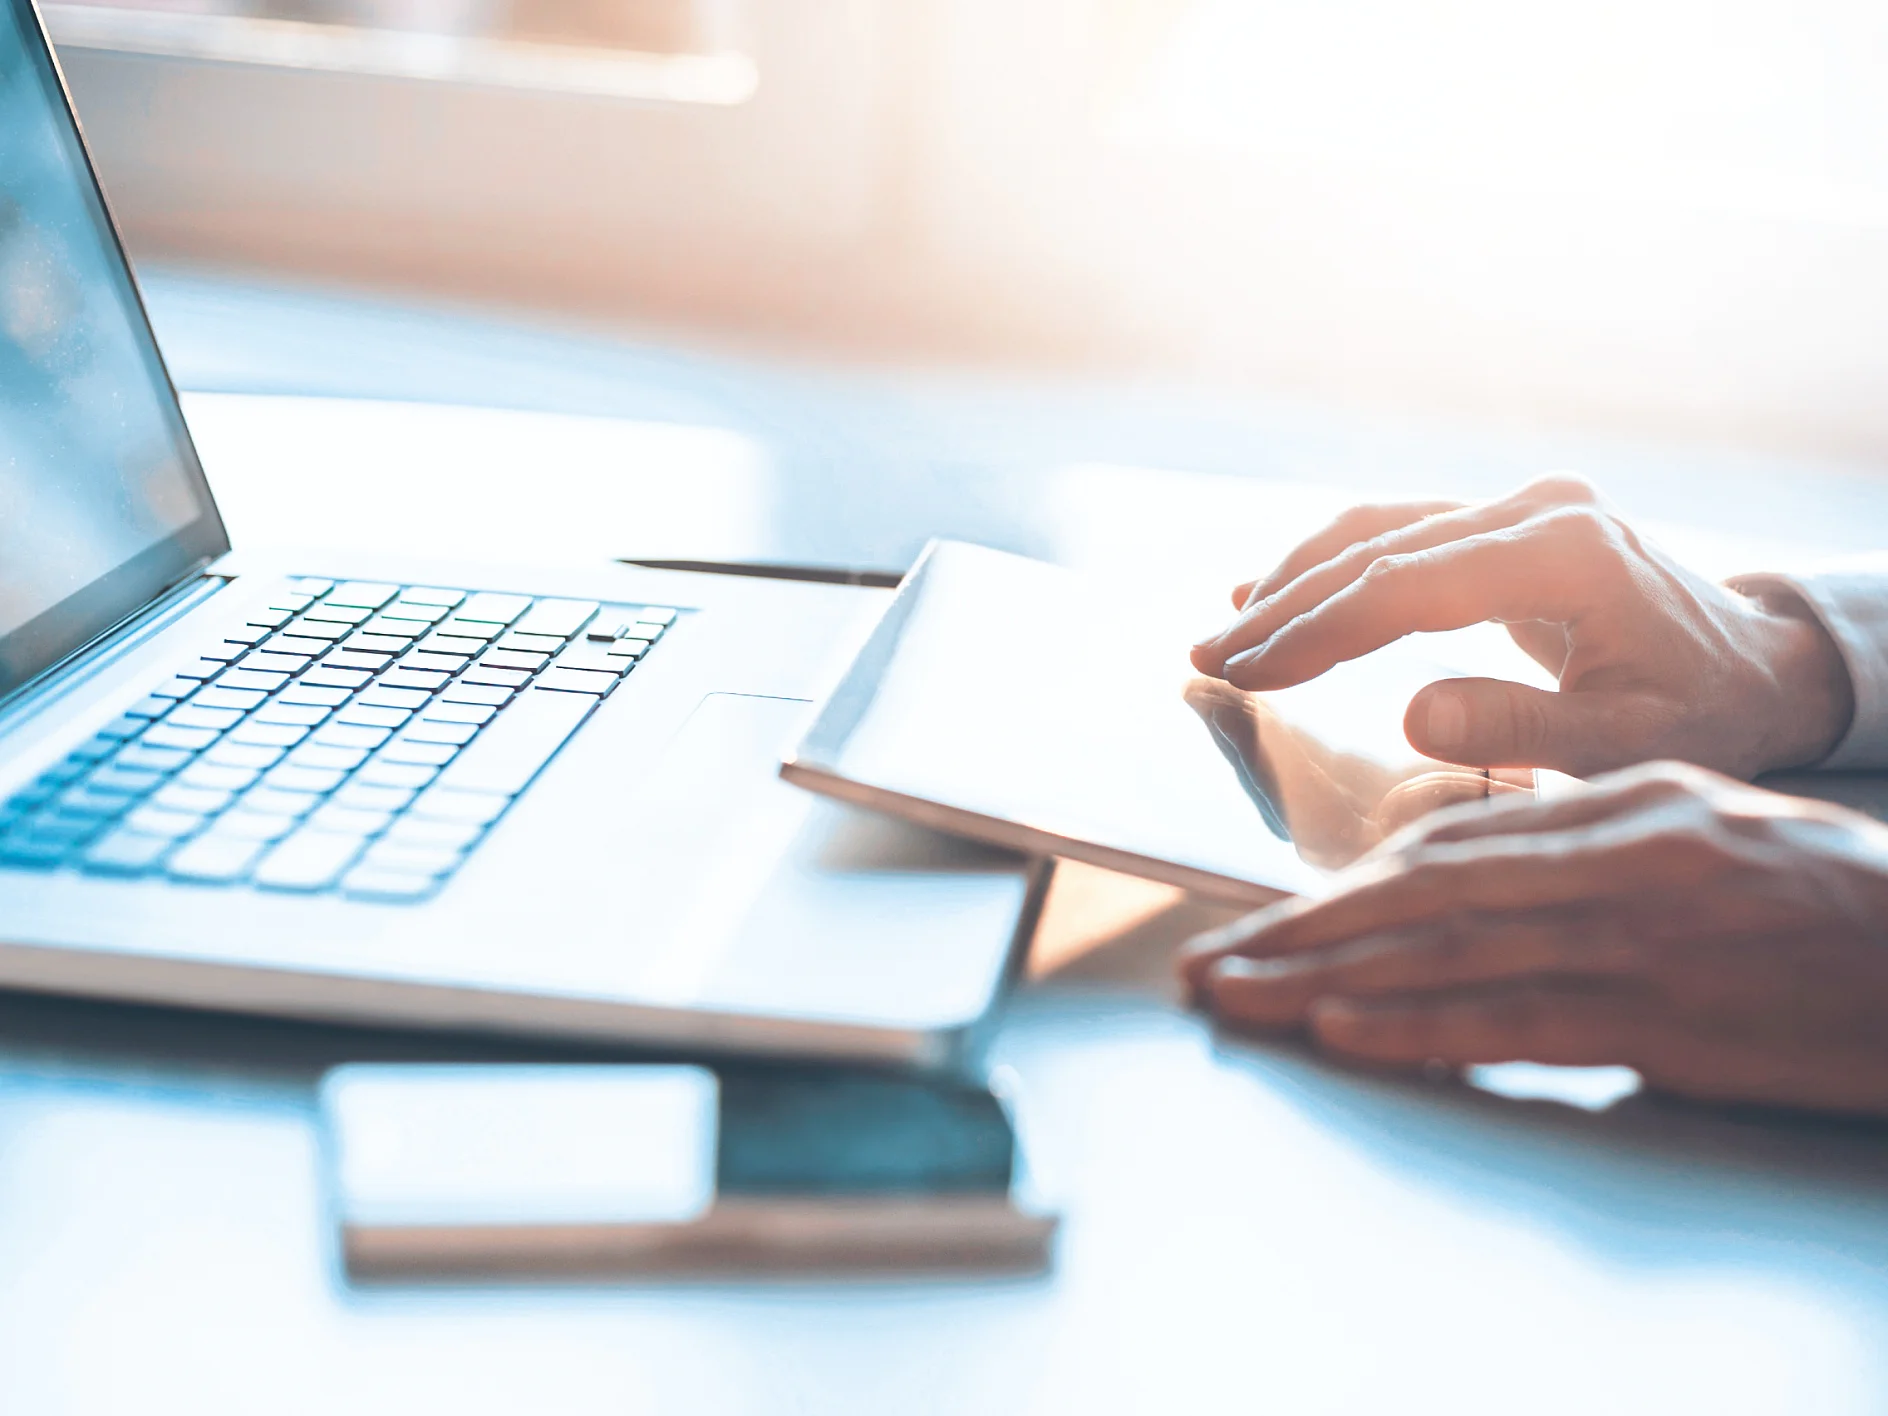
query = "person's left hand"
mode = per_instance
[{"x": 1729, "y": 943}]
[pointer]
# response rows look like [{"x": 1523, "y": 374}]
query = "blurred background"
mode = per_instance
[{"x": 1665, "y": 216}]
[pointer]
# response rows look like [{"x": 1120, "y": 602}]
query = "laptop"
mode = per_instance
[{"x": 411, "y": 791}]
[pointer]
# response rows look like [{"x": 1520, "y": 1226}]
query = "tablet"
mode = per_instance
[{"x": 1026, "y": 705}]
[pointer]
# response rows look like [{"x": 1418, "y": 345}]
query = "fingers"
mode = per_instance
[
  {"x": 1553, "y": 1023},
  {"x": 1359, "y": 523},
  {"x": 1517, "y": 873},
  {"x": 1493, "y": 723},
  {"x": 1469, "y": 950},
  {"x": 1555, "y": 566},
  {"x": 1263, "y": 614}
]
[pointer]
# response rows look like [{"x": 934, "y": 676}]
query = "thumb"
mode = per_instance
[{"x": 1494, "y": 723}]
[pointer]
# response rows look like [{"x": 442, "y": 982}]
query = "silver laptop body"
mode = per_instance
[{"x": 403, "y": 790}]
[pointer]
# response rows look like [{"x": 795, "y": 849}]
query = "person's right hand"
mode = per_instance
[{"x": 1653, "y": 661}]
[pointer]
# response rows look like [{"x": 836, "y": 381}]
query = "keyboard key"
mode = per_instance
[
  {"x": 83, "y": 801},
  {"x": 305, "y": 715},
  {"x": 561, "y": 618},
  {"x": 200, "y": 669},
  {"x": 271, "y": 801},
  {"x": 34, "y": 851},
  {"x": 413, "y": 678},
  {"x": 307, "y": 860},
  {"x": 385, "y": 695},
  {"x": 335, "y": 759},
  {"x": 94, "y": 749},
  {"x": 528, "y": 643},
  {"x": 434, "y": 663},
  {"x": 413, "y": 860},
  {"x": 250, "y": 679},
  {"x": 123, "y": 780},
  {"x": 214, "y": 776},
  {"x": 366, "y": 715},
  {"x": 314, "y": 693},
  {"x": 198, "y": 801},
  {"x": 407, "y": 612},
  {"x": 310, "y": 585},
  {"x": 383, "y": 644},
  {"x": 408, "y": 775},
  {"x": 125, "y": 853},
  {"x": 429, "y": 595},
  {"x": 290, "y": 601},
  {"x": 630, "y": 649},
  {"x": 431, "y": 730},
  {"x": 121, "y": 728},
  {"x": 351, "y": 821},
  {"x": 351, "y": 735},
  {"x": 265, "y": 662},
  {"x": 577, "y": 681},
  {"x": 369, "y": 883},
  {"x": 223, "y": 651},
  {"x": 299, "y": 644},
  {"x": 362, "y": 796},
  {"x": 318, "y": 629},
  {"x": 174, "y": 688},
  {"x": 361, "y": 594},
  {"x": 656, "y": 615},
  {"x": 190, "y": 715},
  {"x": 318, "y": 780},
  {"x": 495, "y": 678},
  {"x": 150, "y": 708},
  {"x": 511, "y": 659},
  {"x": 509, "y": 752},
  {"x": 257, "y": 734},
  {"x": 425, "y": 754},
  {"x": 591, "y": 656},
  {"x": 245, "y": 634},
  {"x": 491, "y": 695},
  {"x": 218, "y": 857},
  {"x": 470, "y": 808},
  {"x": 406, "y": 622},
  {"x": 441, "y": 711},
  {"x": 327, "y": 612},
  {"x": 184, "y": 739},
  {"x": 243, "y": 754},
  {"x": 222, "y": 696},
  {"x": 325, "y": 677},
  {"x": 430, "y": 831},
  {"x": 59, "y": 826},
  {"x": 273, "y": 617},
  {"x": 489, "y": 608},
  {"x": 152, "y": 759},
  {"x": 453, "y": 646},
  {"x": 256, "y": 826},
  {"x": 470, "y": 629},
  {"x": 353, "y": 659},
  {"x": 156, "y": 821}
]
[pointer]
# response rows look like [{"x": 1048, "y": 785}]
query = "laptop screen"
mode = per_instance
[{"x": 103, "y": 504}]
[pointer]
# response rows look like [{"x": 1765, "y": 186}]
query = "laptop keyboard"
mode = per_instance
[{"x": 348, "y": 737}]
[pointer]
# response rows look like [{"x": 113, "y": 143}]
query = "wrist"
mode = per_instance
[{"x": 1814, "y": 694}]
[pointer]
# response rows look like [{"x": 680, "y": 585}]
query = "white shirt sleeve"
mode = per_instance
[{"x": 1851, "y": 601}]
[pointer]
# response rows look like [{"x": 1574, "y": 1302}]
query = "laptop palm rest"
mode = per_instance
[{"x": 744, "y": 893}]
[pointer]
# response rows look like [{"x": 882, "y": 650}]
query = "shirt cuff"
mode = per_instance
[{"x": 1853, "y": 606}]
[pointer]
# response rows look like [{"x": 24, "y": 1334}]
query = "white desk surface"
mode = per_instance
[{"x": 1247, "y": 1227}]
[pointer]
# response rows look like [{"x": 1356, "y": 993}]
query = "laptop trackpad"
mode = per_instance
[{"x": 737, "y": 886}]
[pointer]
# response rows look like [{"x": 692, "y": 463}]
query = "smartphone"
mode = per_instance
[{"x": 559, "y": 1170}]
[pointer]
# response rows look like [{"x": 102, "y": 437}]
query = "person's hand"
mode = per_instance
[
  {"x": 1652, "y": 660},
  {"x": 1729, "y": 943}
]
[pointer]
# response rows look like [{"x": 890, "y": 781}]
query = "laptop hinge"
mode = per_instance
[{"x": 79, "y": 667}]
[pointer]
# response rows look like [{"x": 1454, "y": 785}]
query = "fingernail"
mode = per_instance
[
  {"x": 1245, "y": 656},
  {"x": 1447, "y": 722}
]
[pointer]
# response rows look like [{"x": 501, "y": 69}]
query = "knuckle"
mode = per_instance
[{"x": 1562, "y": 489}]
